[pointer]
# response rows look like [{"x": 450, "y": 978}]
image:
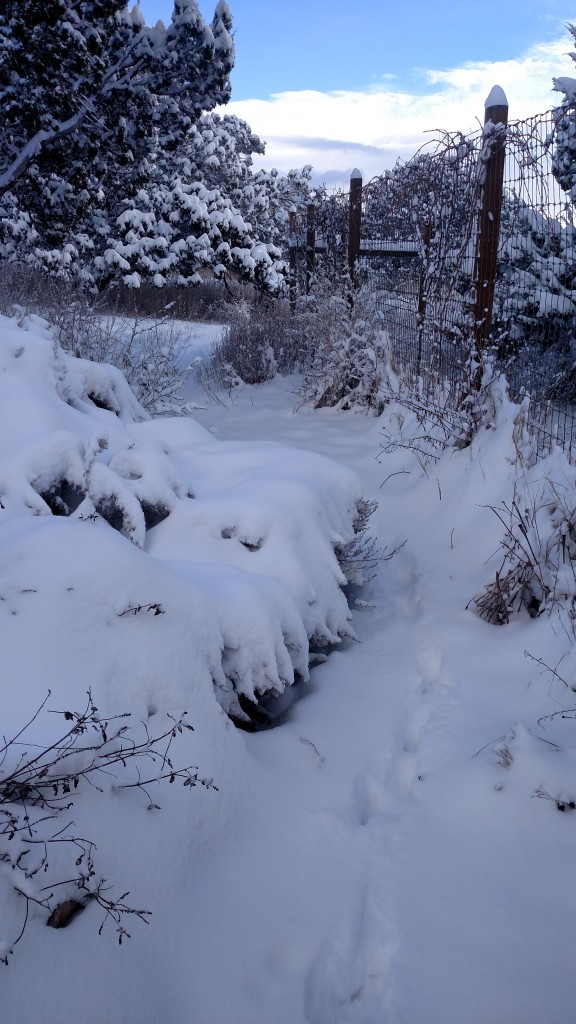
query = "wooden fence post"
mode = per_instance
[
  {"x": 421, "y": 314},
  {"x": 292, "y": 256},
  {"x": 310, "y": 244},
  {"x": 492, "y": 168},
  {"x": 354, "y": 224}
]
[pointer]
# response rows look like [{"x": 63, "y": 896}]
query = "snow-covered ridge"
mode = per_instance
[{"x": 237, "y": 540}]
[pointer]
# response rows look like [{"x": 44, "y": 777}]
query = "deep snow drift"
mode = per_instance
[
  {"x": 392, "y": 852},
  {"x": 247, "y": 532}
]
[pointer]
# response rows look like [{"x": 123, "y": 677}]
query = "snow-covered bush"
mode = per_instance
[
  {"x": 333, "y": 336},
  {"x": 262, "y": 338},
  {"x": 350, "y": 363},
  {"x": 245, "y": 353},
  {"x": 149, "y": 352},
  {"x": 248, "y": 535},
  {"x": 427, "y": 421}
]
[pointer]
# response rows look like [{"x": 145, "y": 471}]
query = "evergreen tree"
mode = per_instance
[
  {"x": 564, "y": 152},
  {"x": 94, "y": 106}
]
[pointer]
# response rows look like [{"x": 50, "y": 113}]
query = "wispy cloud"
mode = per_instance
[
  {"x": 336, "y": 131},
  {"x": 323, "y": 144}
]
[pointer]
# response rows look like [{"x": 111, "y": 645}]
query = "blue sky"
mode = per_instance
[{"x": 339, "y": 84}]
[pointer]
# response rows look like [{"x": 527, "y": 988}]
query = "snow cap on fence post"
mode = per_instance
[
  {"x": 355, "y": 174},
  {"x": 495, "y": 98}
]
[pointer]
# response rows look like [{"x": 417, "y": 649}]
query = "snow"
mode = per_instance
[
  {"x": 392, "y": 851},
  {"x": 260, "y": 512},
  {"x": 496, "y": 97},
  {"x": 567, "y": 86}
]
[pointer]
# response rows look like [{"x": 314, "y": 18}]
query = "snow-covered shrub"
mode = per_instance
[
  {"x": 246, "y": 536},
  {"x": 427, "y": 421},
  {"x": 262, "y": 338},
  {"x": 245, "y": 351},
  {"x": 148, "y": 352},
  {"x": 350, "y": 364}
]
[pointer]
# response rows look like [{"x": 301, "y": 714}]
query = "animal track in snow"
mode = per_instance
[{"x": 429, "y": 662}]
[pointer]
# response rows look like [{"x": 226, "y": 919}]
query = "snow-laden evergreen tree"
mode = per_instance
[
  {"x": 221, "y": 150},
  {"x": 99, "y": 114},
  {"x": 564, "y": 153},
  {"x": 205, "y": 206},
  {"x": 536, "y": 270}
]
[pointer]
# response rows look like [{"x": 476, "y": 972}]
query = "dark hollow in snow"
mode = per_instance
[
  {"x": 154, "y": 514},
  {"x": 62, "y": 497}
]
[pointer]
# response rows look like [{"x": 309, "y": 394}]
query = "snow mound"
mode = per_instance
[{"x": 103, "y": 509}]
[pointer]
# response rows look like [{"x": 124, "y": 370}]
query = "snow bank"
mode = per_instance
[{"x": 237, "y": 540}]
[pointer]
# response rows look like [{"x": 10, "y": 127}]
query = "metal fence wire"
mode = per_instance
[{"x": 418, "y": 250}]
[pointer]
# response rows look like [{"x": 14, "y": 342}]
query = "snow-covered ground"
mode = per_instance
[{"x": 380, "y": 857}]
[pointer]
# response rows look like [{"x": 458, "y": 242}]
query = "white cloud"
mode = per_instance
[{"x": 337, "y": 131}]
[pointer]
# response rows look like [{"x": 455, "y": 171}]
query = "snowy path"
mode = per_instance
[
  {"x": 327, "y": 851},
  {"x": 423, "y": 905}
]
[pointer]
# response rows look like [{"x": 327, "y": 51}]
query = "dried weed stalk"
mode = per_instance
[{"x": 538, "y": 568}]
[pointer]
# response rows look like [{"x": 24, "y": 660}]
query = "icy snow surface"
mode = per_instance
[{"x": 377, "y": 858}]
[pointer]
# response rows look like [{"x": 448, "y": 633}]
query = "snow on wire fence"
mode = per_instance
[{"x": 470, "y": 245}]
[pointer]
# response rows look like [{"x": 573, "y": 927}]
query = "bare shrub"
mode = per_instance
[
  {"x": 150, "y": 352},
  {"x": 208, "y": 302},
  {"x": 538, "y": 568},
  {"x": 262, "y": 337},
  {"x": 359, "y": 558},
  {"x": 53, "y": 866}
]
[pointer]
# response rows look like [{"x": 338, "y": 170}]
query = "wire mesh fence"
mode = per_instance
[{"x": 418, "y": 252}]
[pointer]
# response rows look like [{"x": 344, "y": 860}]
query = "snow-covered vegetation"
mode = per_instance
[
  {"x": 287, "y": 627},
  {"x": 159, "y": 187},
  {"x": 410, "y": 815},
  {"x": 265, "y": 525}
]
